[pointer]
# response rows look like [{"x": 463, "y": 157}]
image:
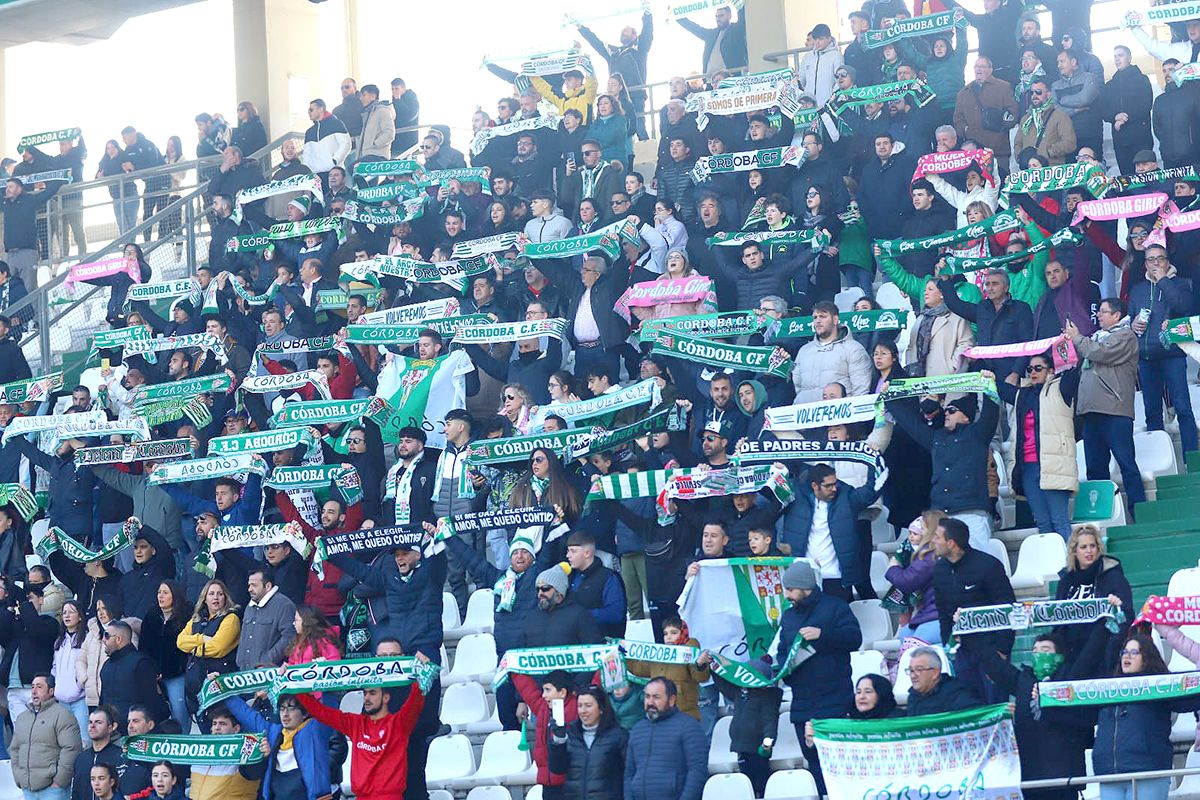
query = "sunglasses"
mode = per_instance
[
  {"x": 951, "y": 409},
  {"x": 545, "y": 589},
  {"x": 538, "y": 460},
  {"x": 591, "y": 152},
  {"x": 356, "y": 441},
  {"x": 710, "y": 438},
  {"x": 1032, "y": 368}
]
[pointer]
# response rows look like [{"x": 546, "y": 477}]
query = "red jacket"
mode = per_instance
[
  {"x": 321, "y": 594},
  {"x": 531, "y": 695},
  {"x": 379, "y": 769},
  {"x": 341, "y": 386}
]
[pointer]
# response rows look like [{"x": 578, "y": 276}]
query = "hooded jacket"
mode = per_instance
[
  {"x": 1174, "y": 114},
  {"x": 944, "y": 75},
  {"x": 816, "y": 71},
  {"x": 757, "y": 412},
  {"x": 139, "y": 586},
  {"x": 378, "y": 131},
  {"x": 327, "y": 142},
  {"x": 1106, "y": 576},
  {"x": 842, "y": 360}
]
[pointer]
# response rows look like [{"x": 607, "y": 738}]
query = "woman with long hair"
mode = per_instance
[
  {"x": 67, "y": 688},
  {"x": 590, "y": 751},
  {"x": 562, "y": 388},
  {"x": 1136, "y": 737},
  {"x": 618, "y": 88},
  {"x": 173, "y": 155},
  {"x": 546, "y": 484},
  {"x": 824, "y": 272},
  {"x": 910, "y": 571},
  {"x": 869, "y": 339},
  {"x": 1090, "y": 572},
  {"x": 92, "y": 655},
  {"x": 910, "y": 468},
  {"x": 210, "y": 639},
  {"x": 498, "y": 218},
  {"x": 250, "y": 136},
  {"x": 124, "y": 193},
  {"x": 678, "y": 266},
  {"x": 314, "y": 638},
  {"x": 164, "y": 782},
  {"x": 120, "y": 282},
  {"x": 160, "y": 630},
  {"x": 668, "y": 225},
  {"x": 611, "y": 131},
  {"x": 515, "y": 405}
]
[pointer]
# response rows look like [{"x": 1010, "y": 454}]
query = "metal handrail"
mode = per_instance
[{"x": 1120, "y": 777}]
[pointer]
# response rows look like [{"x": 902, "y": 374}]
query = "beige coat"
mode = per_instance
[
  {"x": 379, "y": 128},
  {"x": 1057, "y": 144},
  {"x": 1056, "y": 445},
  {"x": 951, "y": 338}
]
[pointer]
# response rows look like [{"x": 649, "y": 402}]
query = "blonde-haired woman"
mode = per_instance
[
  {"x": 678, "y": 266},
  {"x": 1090, "y": 573},
  {"x": 515, "y": 403},
  {"x": 911, "y": 572},
  {"x": 210, "y": 639}
]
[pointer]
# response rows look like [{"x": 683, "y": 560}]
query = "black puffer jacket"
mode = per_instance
[
  {"x": 1174, "y": 117},
  {"x": 593, "y": 773},
  {"x": 1128, "y": 92},
  {"x": 1104, "y": 577},
  {"x": 976, "y": 579}
]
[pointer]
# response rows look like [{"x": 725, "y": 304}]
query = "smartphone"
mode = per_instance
[
  {"x": 558, "y": 712},
  {"x": 570, "y": 160},
  {"x": 105, "y": 363}
]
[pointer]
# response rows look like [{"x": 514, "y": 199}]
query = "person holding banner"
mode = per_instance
[
  {"x": 821, "y": 685},
  {"x": 1090, "y": 572}
]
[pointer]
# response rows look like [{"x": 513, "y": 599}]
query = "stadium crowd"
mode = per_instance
[{"x": 536, "y": 369}]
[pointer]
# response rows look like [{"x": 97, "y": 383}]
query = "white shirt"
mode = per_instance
[
  {"x": 586, "y": 329},
  {"x": 820, "y": 543}
]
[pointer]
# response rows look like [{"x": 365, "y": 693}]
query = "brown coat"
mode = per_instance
[
  {"x": 1057, "y": 144},
  {"x": 968, "y": 116},
  {"x": 687, "y": 679},
  {"x": 951, "y": 338}
]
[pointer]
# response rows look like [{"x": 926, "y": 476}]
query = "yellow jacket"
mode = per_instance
[
  {"x": 218, "y": 646},
  {"x": 580, "y": 99}
]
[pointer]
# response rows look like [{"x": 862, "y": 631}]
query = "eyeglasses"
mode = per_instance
[
  {"x": 1138, "y": 234},
  {"x": 591, "y": 152},
  {"x": 105, "y": 635},
  {"x": 812, "y": 193},
  {"x": 951, "y": 409},
  {"x": 620, "y": 202},
  {"x": 1032, "y": 368},
  {"x": 828, "y": 486},
  {"x": 273, "y": 546},
  {"x": 1037, "y": 92},
  {"x": 918, "y": 670},
  {"x": 426, "y": 147},
  {"x": 1130, "y": 653},
  {"x": 1156, "y": 259}
]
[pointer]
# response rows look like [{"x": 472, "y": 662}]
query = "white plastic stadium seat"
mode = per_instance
[
  {"x": 440, "y": 794},
  {"x": 480, "y": 617},
  {"x": 875, "y": 621},
  {"x": 502, "y": 763},
  {"x": 474, "y": 660},
  {"x": 904, "y": 683},
  {"x": 789, "y": 784},
  {"x": 639, "y": 630},
  {"x": 489, "y": 793},
  {"x": 1041, "y": 557},
  {"x": 846, "y": 298},
  {"x": 1155, "y": 455},
  {"x": 1189, "y": 787},
  {"x": 879, "y": 565},
  {"x": 450, "y": 619},
  {"x": 8, "y": 786},
  {"x": 450, "y": 758},
  {"x": 730, "y": 786},
  {"x": 720, "y": 757},
  {"x": 865, "y": 662},
  {"x": 462, "y": 705},
  {"x": 787, "y": 753},
  {"x": 890, "y": 296},
  {"x": 486, "y": 726},
  {"x": 532, "y": 793},
  {"x": 995, "y": 547}
]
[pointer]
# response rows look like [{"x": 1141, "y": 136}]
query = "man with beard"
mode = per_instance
[{"x": 558, "y": 620}]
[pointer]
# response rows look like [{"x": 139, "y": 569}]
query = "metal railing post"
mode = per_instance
[
  {"x": 43, "y": 321},
  {"x": 189, "y": 216}
]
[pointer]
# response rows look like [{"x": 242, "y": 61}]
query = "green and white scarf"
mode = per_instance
[
  {"x": 352, "y": 674},
  {"x": 208, "y": 468},
  {"x": 345, "y": 478},
  {"x": 188, "y": 387},
  {"x": 19, "y": 426},
  {"x": 521, "y": 126},
  {"x": 231, "y": 684},
  {"x": 608, "y": 239},
  {"x": 30, "y": 390},
  {"x": 417, "y": 312},
  {"x": 369, "y": 540},
  {"x": 265, "y": 384},
  {"x": 488, "y": 244},
  {"x": 58, "y": 541},
  {"x": 338, "y": 299},
  {"x": 384, "y": 334},
  {"x": 760, "y": 451},
  {"x": 250, "y": 243},
  {"x": 1156, "y": 176},
  {"x": 765, "y": 360},
  {"x": 755, "y": 92},
  {"x": 232, "y": 537},
  {"x": 262, "y": 441},
  {"x": 20, "y": 498},
  {"x": 443, "y": 177},
  {"x": 46, "y": 177},
  {"x": 961, "y": 383},
  {"x": 73, "y": 427},
  {"x": 1020, "y": 616},
  {"x": 49, "y": 137},
  {"x": 1110, "y": 691},
  {"x": 673, "y": 418},
  {"x": 451, "y": 273},
  {"x": 480, "y": 521},
  {"x": 943, "y": 22},
  {"x": 690, "y": 7},
  {"x": 748, "y": 160},
  {"x": 449, "y": 327},
  {"x": 1069, "y": 237},
  {"x": 698, "y": 484},
  {"x": 296, "y": 183},
  {"x": 742, "y": 674},
  {"x": 319, "y": 412},
  {"x": 636, "y": 394},
  {"x": 884, "y": 319},
  {"x": 631, "y": 485},
  {"x": 407, "y": 211},
  {"x": 163, "y": 411},
  {"x": 204, "y": 341},
  {"x": 880, "y": 93},
  {"x": 236, "y": 749},
  {"x": 306, "y": 227},
  {"x": 315, "y": 344},
  {"x": 117, "y": 337},
  {"x": 399, "y": 167},
  {"x": 1056, "y": 178},
  {"x": 815, "y": 239},
  {"x": 586, "y": 658},
  {"x": 1163, "y": 14},
  {"x": 161, "y": 290},
  {"x": 998, "y": 223},
  {"x": 129, "y": 453},
  {"x": 511, "y": 331},
  {"x": 706, "y": 326},
  {"x": 821, "y": 413},
  {"x": 1037, "y": 116},
  {"x": 388, "y": 191}
]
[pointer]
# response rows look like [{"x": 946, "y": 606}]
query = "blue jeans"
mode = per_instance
[
  {"x": 1169, "y": 374},
  {"x": 1105, "y": 434},
  {"x": 861, "y": 277},
  {"x": 1152, "y": 789},
  {"x": 176, "y": 696},
  {"x": 1049, "y": 506},
  {"x": 497, "y": 542},
  {"x": 709, "y": 703},
  {"x": 49, "y": 793},
  {"x": 79, "y": 709},
  {"x": 929, "y": 632},
  {"x": 127, "y": 210}
]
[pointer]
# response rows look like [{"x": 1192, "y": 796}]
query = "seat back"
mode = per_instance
[
  {"x": 728, "y": 786},
  {"x": 639, "y": 630},
  {"x": 502, "y": 754},
  {"x": 1095, "y": 502},
  {"x": 875, "y": 621},
  {"x": 890, "y": 296},
  {"x": 1155, "y": 453},
  {"x": 1041, "y": 555},
  {"x": 449, "y": 757},
  {"x": 462, "y": 704},
  {"x": 476, "y": 654},
  {"x": 791, "y": 784},
  {"x": 866, "y": 662},
  {"x": 489, "y": 793},
  {"x": 480, "y": 607},
  {"x": 450, "y": 619},
  {"x": 995, "y": 547}
]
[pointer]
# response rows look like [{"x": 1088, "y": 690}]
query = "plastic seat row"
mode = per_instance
[{"x": 452, "y": 763}]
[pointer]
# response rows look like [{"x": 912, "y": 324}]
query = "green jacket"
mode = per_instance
[{"x": 914, "y": 286}]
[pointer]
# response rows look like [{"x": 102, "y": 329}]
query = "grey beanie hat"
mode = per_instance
[
  {"x": 555, "y": 578},
  {"x": 799, "y": 575}
]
